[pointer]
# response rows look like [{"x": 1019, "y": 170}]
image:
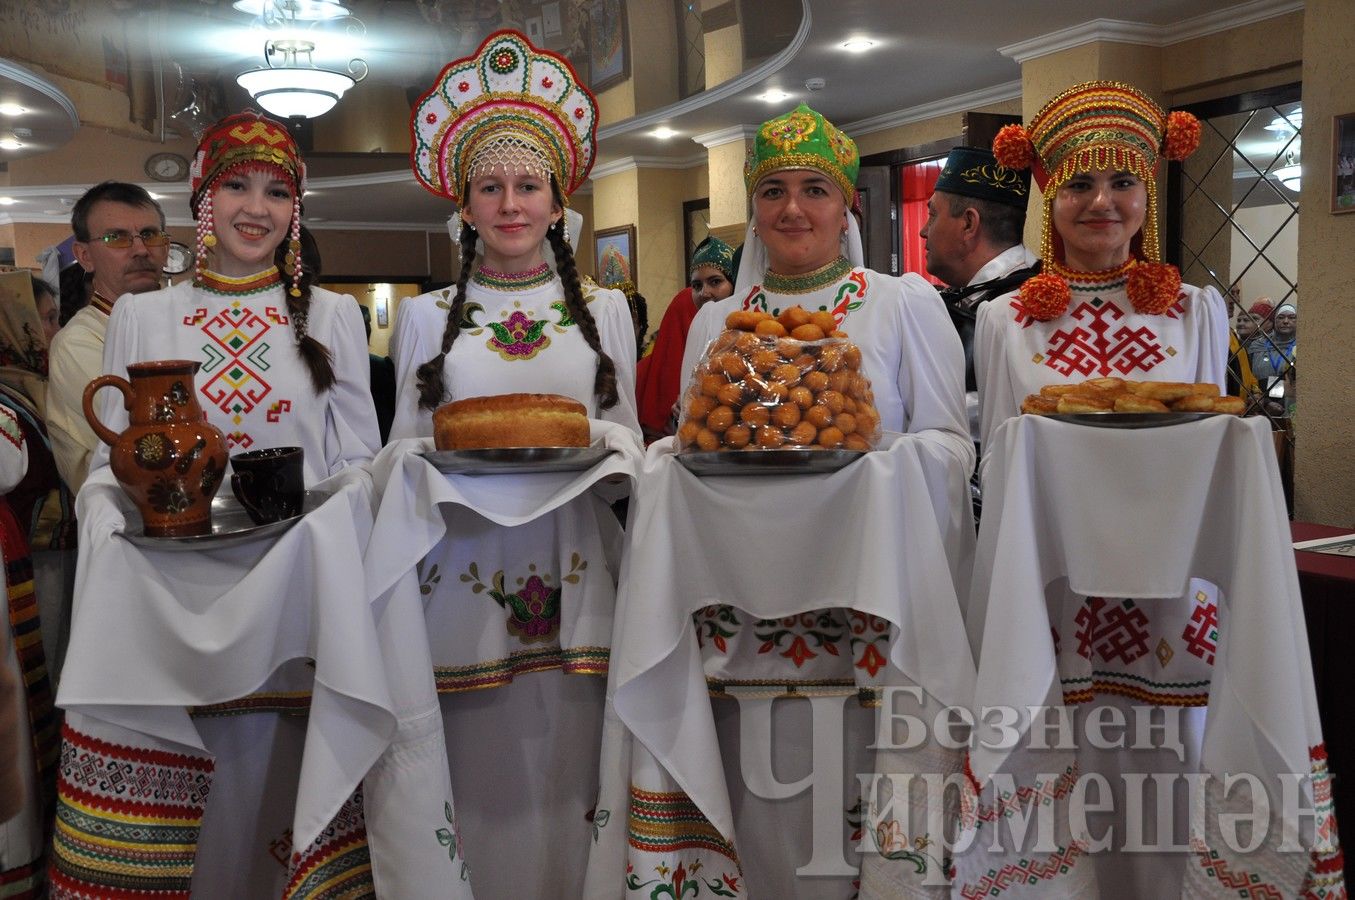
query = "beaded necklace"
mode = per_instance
[
  {"x": 1093, "y": 281},
  {"x": 249, "y": 284},
  {"x": 809, "y": 281},
  {"x": 513, "y": 281}
]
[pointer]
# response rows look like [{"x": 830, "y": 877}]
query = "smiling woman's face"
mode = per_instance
[
  {"x": 1097, "y": 215},
  {"x": 511, "y": 213},
  {"x": 800, "y": 216}
]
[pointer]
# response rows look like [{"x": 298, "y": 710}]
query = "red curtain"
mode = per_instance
[{"x": 916, "y": 182}]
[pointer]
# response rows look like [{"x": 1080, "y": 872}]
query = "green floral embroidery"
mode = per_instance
[
  {"x": 682, "y": 883},
  {"x": 534, "y": 608},
  {"x": 451, "y": 839},
  {"x": 598, "y": 818}
]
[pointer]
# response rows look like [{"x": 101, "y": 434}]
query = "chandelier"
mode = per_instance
[
  {"x": 1289, "y": 173},
  {"x": 289, "y": 84}
]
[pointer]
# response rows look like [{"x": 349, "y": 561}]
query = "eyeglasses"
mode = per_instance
[{"x": 151, "y": 237}]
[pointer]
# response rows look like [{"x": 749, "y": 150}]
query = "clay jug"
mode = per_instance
[{"x": 170, "y": 460}]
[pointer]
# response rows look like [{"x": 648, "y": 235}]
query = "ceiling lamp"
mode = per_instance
[
  {"x": 287, "y": 86},
  {"x": 1287, "y": 124},
  {"x": 299, "y": 10},
  {"x": 1289, "y": 173}
]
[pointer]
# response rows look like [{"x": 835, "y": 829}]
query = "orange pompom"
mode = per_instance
[
  {"x": 1013, "y": 148},
  {"x": 1153, "y": 287},
  {"x": 1183, "y": 135},
  {"x": 1045, "y": 296}
]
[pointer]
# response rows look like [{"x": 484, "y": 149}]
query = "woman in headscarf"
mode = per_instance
[
  {"x": 1104, "y": 304},
  {"x": 657, "y": 376}
]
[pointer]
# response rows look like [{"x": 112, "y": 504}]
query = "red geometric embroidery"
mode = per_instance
[
  {"x": 1202, "y": 633},
  {"x": 1120, "y": 633},
  {"x": 1244, "y": 883},
  {"x": 277, "y": 409},
  {"x": 237, "y": 385},
  {"x": 239, "y": 439},
  {"x": 272, "y": 314},
  {"x": 198, "y": 315},
  {"x": 1094, "y": 348},
  {"x": 1025, "y": 872}
]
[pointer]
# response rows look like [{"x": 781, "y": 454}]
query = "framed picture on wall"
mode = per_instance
[
  {"x": 614, "y": 253},
  {"x": 608, "y": 44},
  {"x": 1343, "y": 164}
]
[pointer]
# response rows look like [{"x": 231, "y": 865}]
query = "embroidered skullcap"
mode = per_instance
[
  {"x": 715, "y": 253},
  {"x": 974, "y": 172},
  {"x": 510, "y": 104},
  {"x": 1091, "y": 127},
  {"x": 803, "y": 139},
  {"x": 246, "y": 137},
  {"x": 1287, "y": 308}
]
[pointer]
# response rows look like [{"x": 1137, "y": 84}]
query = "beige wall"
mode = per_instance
[{"x": 1324, "y": 479}]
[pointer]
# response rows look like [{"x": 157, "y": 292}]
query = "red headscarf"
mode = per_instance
[{"x": 658, "y": 375}]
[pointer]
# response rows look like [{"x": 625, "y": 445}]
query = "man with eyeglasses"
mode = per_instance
[{"x": 121, "y": 243}]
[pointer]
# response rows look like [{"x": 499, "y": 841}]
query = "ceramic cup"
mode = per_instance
[{"x": 269, "y": 483}]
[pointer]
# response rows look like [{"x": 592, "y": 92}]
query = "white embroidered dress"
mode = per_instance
[{"x": 516, "y": 575}]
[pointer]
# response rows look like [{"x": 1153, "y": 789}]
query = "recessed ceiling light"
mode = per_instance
[
  {"x": 11, "y": 109},
  {"x": 774, "y": 95},
  {"x": 663, "y": 132},
  {"x": 7, "y": 201},
  {"x": 858, "y": 45},
  {"x": 10, "y": 143}
]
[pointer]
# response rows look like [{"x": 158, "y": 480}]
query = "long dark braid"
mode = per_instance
[
  {"x": 604, "y": 384},
  {"x": 431, "y": 386},
  {"x": 319, "y": 361}
]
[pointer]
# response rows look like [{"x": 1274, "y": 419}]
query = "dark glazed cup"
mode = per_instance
[{"x": 269, "y": 483}]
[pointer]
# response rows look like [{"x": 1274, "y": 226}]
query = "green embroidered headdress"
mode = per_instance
[
  {"x": 715, "y": 253},
  {"x": 803, "y": 139}
]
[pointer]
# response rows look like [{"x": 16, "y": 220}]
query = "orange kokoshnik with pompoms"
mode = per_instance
[{"x": 1095, "y": 126}]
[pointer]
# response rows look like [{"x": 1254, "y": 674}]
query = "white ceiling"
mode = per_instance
[{"x": 930, "y": 58}]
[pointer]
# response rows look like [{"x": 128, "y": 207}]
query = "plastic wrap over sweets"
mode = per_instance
[{"x": 768, "y": 383}]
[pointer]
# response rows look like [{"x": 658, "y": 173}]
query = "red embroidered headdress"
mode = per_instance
[
  {"x": 1090, "y": 127},
  {"x": 258, "y": 142},
  {"x": 510, "y": 104}
]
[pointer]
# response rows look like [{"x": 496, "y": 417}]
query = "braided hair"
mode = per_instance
[
  {"x": 430, "y": 375},
  {"x": 432, "y": 387},
  {"x": 317, "y": 357}
]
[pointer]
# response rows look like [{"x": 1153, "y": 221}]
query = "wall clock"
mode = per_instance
[
  {"x": 179, "y": 259},
  {"x": 166, "y": 167}
]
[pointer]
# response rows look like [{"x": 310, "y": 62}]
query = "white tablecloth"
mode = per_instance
[
  {"x": 432, "y": 531},
  {"x": 1112, "y": 513},
  {"x": 868, "y": 538},
  {"x": 156, "y": 632}
]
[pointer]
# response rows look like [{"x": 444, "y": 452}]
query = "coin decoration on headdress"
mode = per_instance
[
  {"x": 510, "y": 106},
  {"x": 252, "y": 141}
]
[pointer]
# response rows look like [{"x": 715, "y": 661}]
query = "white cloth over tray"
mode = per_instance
[
  {"x": 157, "y": 631},
  {"x": 866, "y": 538},
  {"x": 1137, "y": 514},
  {"x": 426, "y": 517}
]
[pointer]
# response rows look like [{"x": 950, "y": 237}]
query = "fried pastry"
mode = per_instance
[
  {"x": 1039, "y": 405},
  {"x": 1130, "y": 403}
]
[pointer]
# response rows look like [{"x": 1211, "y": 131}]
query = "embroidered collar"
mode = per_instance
[
  {"x": 513, "y": 281},
  {"x": 809, "y": 281},
  {"x": 101, "y": 303},
  {"x": 1093, "y": 281},
  {"x": 250, "y": 284}
]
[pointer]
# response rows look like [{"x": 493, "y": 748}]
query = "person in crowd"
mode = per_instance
[
  {"x": 657, "y": 375},
  {"x": 311, "y": 390},
  {"x": 121, "y": 245},
  {"x": 1095, "y": 150},
  {"x": 1272, "y": 354},
  {"x": 639, "y": 312},
  {"x": 1241, "y": 381},
  {"x": 518, "y": 319},
  {"x": 975, "y": 218},
  {"x": 803, "y": 247},
  {"x": 43, "y": 507},
  {"x": 382, "y": 372},
  {"x": 29, "y": 727}
]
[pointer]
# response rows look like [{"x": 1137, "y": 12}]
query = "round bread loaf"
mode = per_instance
[{"x": 511, "y": 420}]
